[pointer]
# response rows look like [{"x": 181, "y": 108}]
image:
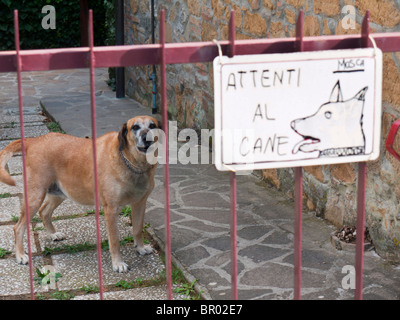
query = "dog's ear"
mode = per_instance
[
  {"x": 122, "y": 137},
  {"x": 361, "y": 95},
  {"x": 336, "y": 95}
]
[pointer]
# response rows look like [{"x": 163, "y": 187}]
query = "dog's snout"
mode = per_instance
[{"x": 146, "y": 138}]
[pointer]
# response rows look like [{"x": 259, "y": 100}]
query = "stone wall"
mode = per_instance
[{"x": 329, "y": 191}]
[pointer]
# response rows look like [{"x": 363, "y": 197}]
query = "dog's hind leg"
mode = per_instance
[
  {"x": 46, "y": 212},
  {"x": 35, "y": 200}
]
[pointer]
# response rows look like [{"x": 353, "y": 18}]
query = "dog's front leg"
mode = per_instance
[
  {"x": 111, "y": 216},
  {"x": 138, "y": 210}
]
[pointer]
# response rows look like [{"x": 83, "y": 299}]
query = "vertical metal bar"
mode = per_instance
[
  {"x": 164, "y": 110},
  {"x": 232, "y": 50},
  {"x": 153, "y": 75},
  {"x": 298, "y": 193},
  {"x": 232, "y": 178},
  {"x": 299, "y": 32},
  {"x": 361, "y": 188},
  {"x": 365, "y": 31},
  {"x": 233, "y": 231},
  {"x": 119, "y": 41},
  {"x": 94, "y": 130},
  {"x": 25, "y": 177},
  {"x": 362, "y": 177}
]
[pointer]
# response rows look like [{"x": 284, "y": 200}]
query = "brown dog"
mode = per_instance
[{"x": 60, "y": 166}]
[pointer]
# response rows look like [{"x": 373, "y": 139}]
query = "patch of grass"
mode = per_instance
[
  {"x": 5, "y": 195},
  {"x": 40, "y": 296},
  {"x": 187, "y": 290},
  {"x": 127, "y": 211},
  {"x": 10, "y": 125},
  {"x": 55, "y": 127},
  {"x": 90, "y": 289},
  {"x": 101, "y": 212},
  {"x": 62, "y": 295},
  {"x": 79, "y": 247},
  {"x": 177, "y": 277},
  {"x": 70, "y": 248},
  {"x": 4, "y": 252},
  {"x": 139, "y": 282},
  {"x": 176, "y": 274},
  {"x": 126, "y": 240},
  {"x": 124, "y": 284},
  {"x": 36, "y": 219}
]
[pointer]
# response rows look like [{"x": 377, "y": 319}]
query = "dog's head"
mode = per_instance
[
  {"x": 336, "y": 124},
  {"x": 134, "y": 134}
]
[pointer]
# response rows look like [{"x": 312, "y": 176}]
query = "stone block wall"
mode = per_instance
[{"x": 329, "y": 191}]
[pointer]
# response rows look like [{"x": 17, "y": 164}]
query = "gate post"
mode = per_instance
[
  {"x": 21, "y": 119},
  {"x": 92, "y": 65},
  {"x": 164, "y": 113},
  {"x": 361, "y": 188},
  {"x": 233, "y": 198},
  {"x": 298, "y": 193}
]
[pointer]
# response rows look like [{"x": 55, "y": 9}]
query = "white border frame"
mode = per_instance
[{"x": 315, "y": 55}]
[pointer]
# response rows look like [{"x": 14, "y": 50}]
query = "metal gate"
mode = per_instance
[{"x": 173, "y": 53}]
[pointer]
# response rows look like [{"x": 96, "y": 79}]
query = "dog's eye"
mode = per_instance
[
  {"x": 135, "y": 127},
  {"x": 328, "y": 114},
  {"x": 152, "y": 126}
]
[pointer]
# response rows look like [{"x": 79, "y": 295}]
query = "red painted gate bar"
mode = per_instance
[
  {"x": 233, "y": 186},
  {"x": 298, "y": 189},
  {"x": 164, "y": 114},
  {"x": 25, "y": 177},
  {"x": 361, "y": 188},
  {"x": 92, "y": 64},
  {"x": 190, "y": 52},
  {"x": 172, "y": 53}
]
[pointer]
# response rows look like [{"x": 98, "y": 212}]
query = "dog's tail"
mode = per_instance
[{"x": 5, "y": 155}]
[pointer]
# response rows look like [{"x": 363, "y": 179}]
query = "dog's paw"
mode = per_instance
[
  {"x": 57, "y": 236},
  {"x": 120, "y": 267},
  {"x": 22, "y": 258},
  {"x": 146, "y": 249}
]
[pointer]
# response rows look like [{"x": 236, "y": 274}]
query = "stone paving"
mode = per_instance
[{"x": 199, "y": 221}]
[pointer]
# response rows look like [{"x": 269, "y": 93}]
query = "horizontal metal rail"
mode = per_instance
[{"x": 175, "y": 53}]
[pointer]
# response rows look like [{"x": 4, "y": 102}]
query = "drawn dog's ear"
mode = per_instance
[
  {"x": 122, "y": 137},
  {"x": 336, "y": 95},
  {"x": 361, "y": 95}
]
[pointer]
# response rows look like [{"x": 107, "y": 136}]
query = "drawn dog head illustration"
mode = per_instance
[{"x": 336, "y": 128}]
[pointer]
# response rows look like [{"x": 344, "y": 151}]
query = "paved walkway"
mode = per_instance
[{"x": 199, "y": 214}]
